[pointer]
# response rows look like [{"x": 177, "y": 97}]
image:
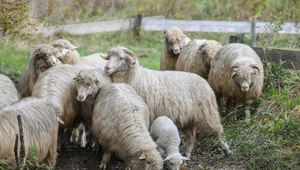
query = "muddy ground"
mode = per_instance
[{"x": 77, "y": 158}]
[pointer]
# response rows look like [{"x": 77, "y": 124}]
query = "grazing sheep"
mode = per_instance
[
  {"x": 186, "y": 98},
  {"x": 88, "y": 82},
  {"x": 165, "y": 134},
  {"x": 42, "y": 58},
  {"x": 196, "y": 57},
  {"x": 120, "y": 123},
  {"x": 8, "y": 92},
  {"x": 174, "y": 41},
  {"x": 237, "y": 74},
  {"x": 40, "y": 127},
  {"x": 58, "y": 86},
  {"x": 73, "y": 57}
]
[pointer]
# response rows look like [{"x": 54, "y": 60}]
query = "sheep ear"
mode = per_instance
[
  {"x": 97, "y": 81},
  {"x": 105, "y": 57},
  {"x": 75, "y": 47},
  {"x": 75, "y": 77},
  {"x": 167, "y": 158},
  {"x": 255, "y": 67},
  {"x": 184, "y": 158},
  {"x": 233, "y": 74},
  {"x": 130, "y": 56},
  {"x": 202, "y": 50},
  {"x": 143, "y": 156},
  {"x": 35, "y": 54}
]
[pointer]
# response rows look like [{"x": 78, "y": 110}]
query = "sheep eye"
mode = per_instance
[
  {"x": 121, "y": 58},
  {"x": 148, "y": 162},
  {"x": 171, "y": 163}
]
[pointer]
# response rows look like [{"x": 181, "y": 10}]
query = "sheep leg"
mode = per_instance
[
  {"x": 190, "y": 134},
  {"x": 247, "y": 110},
  {"x": 105, "y": 160},
  {"x": 82, "y": 135},
  {"x": 224, "y": 144},
  {"x": 66, "y": 137},
  {"x": 231, "y": 107},
  {"x": 59, "y": 139}
]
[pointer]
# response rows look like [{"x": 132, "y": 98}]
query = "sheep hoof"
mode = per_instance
[{"x": 102, "y": 166}]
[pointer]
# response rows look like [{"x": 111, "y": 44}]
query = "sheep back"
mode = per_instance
[
  {"x": 40, "y": 128},
  {"x": 8, "y": 92},
  {"x": 121, "y": 121},
  {"x": 196, "y": 56}
]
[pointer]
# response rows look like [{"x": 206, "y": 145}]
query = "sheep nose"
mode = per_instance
[
  {"x": 80, "y": 96},
  {"x": 176, "y": 51},
  {"x": 245, "y": 88},
  {"x": 107, "y": 68}
]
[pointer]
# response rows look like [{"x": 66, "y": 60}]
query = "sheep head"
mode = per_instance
[
  {"x": 174, "y": 161},
  {"x": 87, "y": 83},
  {"x": 150, "y": 159},
  {"x": 175, "y": 40},
  {"x": 44, "y": 57},
  {"x": 120, "y": 58},
  {"x": 68, "y": 50},
  {"x": 245, "y": 75}
]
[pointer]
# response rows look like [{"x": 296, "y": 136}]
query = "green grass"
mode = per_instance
[{"x": 271, "y": 140}]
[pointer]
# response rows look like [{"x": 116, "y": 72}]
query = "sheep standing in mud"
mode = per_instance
[
  {"x": 120, "y": 123},
  {"x": 165, "y": 134},
  {"x": 186, "y": 98},
  {"x": 174, "y": 41},
  {"x": 237, "y": 74}
]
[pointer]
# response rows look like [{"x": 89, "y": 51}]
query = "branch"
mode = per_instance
[
  {"x": 22, "y": 149},
  {"x": 16, "y": 151}
]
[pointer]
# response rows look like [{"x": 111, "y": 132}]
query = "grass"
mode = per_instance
[{"x": 271, "y": 140}]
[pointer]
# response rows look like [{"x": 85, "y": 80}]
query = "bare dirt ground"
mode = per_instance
[{"x": 77, "y": 158}]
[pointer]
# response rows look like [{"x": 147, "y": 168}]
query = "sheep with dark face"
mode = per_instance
[
  {"x": 8, "y": 92},
  {"x": 174, "y": 41},
  {"x": 186, "y": 98},
  {"x": 196, "y": 56},
  {"x": 237, "y": 74},
  {"x": 73, "y": 57},
  {"x": 43, "y": 57}
]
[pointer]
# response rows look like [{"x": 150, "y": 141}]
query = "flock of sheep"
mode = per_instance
[{"x": 131, "y": 111}]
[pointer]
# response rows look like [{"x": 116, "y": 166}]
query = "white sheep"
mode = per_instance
[
  {"x": 73, "y": 57},
  {"x": 120, "y": 123},
  {"x": 8, "y": 92},
  {"x": 237, "y": 74},
  {"x": 43, "y": 57},
  {"x": 184, "y": 97},
  {"x": 174, "y": 41},
  {"x": 196, "y": 56},
  {"x": 165, "y": 134},
  {"x": 57, "y": 85},
  {"x": 40, "y": 127},
  {"x": 88, "y": 82}
]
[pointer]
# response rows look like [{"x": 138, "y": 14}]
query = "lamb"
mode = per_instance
[
  {"x": 174, "y": 41},
  {"x": 120, "y": 123},
  {"x": 237, "y": 74},
  {"x": 184, "y": 97},
  {"x": 57, "y": 85},
  {"x": 196, "y": 57},
  {"x": 72, "y": 56},
  {"x": 40, "y": 129},
  {"x": 88, "y": 83},
  {"x": 43, "y": 57},
  {"x": 8, "y": 92},
  {"x": 165, "y": 133}
]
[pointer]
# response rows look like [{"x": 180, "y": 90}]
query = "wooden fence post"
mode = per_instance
[
  {"x": 234, "y": 39},
  {"x": 253, "y": 29},
  {"x": 137, "y": 27},
  {"x": 16, "y": 151}
]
